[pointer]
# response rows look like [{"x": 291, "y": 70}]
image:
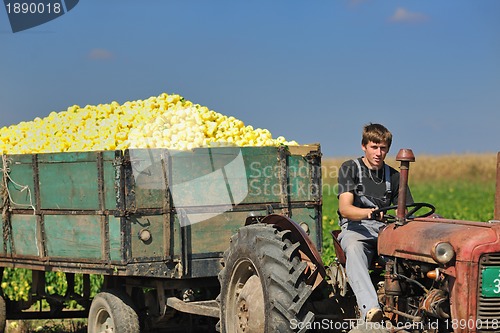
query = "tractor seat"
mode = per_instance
[
  {"x": 338, "y": 249},
  {"x": 378, "y": 262}
]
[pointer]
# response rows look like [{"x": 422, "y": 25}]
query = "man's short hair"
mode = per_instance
[{"x": 376, "y": 133}]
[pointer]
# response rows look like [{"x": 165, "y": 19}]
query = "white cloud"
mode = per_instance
[
  {"x": 404, "y": 15},
  {"x": 100, "y": 54}
]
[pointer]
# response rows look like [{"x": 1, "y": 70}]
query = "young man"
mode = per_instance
[{"x": 366, "y": 184}]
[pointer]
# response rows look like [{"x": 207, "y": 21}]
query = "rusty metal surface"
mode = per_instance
[
  {"x": 471, "y": 240},
  {"x": 338, "y": 248},
  {"x": 466, "y": 237},
  {"x": 405, "y": 156}
]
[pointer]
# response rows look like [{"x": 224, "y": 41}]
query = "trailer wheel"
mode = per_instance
[
  {"x": 3, "y": 314},
  {"x": 262, "y": 283},
  {"x": 112, "y": 312}
]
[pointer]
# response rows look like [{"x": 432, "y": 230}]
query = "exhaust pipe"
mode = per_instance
[{"x": 405, "y": 156}]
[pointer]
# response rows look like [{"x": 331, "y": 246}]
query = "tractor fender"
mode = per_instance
[{"x": 309, "y": 253}]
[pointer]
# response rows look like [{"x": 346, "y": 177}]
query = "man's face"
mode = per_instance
[{"x": 375, "y": 154}]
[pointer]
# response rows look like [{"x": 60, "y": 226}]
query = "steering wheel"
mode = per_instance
[{"x": 388, "y": 218}]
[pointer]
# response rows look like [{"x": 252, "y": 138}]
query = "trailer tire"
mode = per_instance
[
  {"x": 262, "y": 283},
  {"x": 112, "y": 312},
  {"x": 3, "y": 314}
]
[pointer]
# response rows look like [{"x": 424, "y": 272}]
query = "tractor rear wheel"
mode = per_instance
[{"x": 262, "y": 283}]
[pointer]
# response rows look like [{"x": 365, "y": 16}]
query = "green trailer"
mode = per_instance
[{"x": 161, "y": 228}]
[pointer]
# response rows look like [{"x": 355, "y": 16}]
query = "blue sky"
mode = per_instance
[{"x": 312, "y": 71}]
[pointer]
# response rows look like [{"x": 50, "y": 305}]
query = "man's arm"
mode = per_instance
[{"x": 351, "y": 212}]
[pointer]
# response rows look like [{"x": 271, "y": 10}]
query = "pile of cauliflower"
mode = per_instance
[{"x": 165, "y": 121}]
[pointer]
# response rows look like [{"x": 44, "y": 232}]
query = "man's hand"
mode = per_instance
[
  {"x": 351, "y": 212},
  {"x": 379, "y": 216}
]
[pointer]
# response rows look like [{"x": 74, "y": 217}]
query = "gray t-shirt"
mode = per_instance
[{"x": 372, "y": 185}]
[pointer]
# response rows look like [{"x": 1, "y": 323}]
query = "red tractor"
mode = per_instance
[
  {"x": 432, "y": 274},
  {"x": 439, "y": 275}
]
